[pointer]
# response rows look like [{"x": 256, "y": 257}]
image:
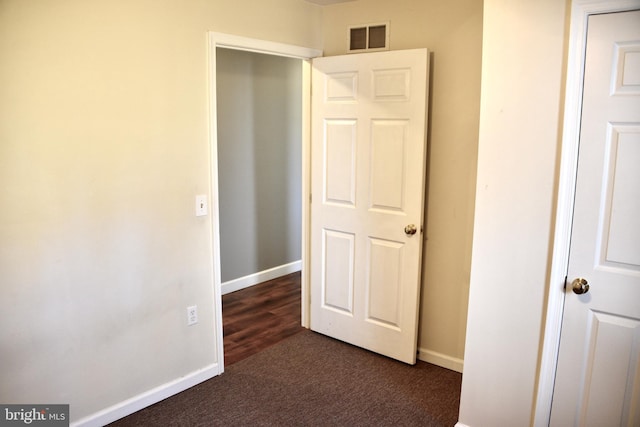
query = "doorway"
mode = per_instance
[
  {"x": 217, "y": 40},
  {"x": 580, "y": 13},
  {"x": 259, "y": 166},
  {"x": 597, "y": 379},
  {"x": 259, "y": 187}
]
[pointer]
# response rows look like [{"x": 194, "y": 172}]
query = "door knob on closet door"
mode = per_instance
[
  {"x": 580, "y": 286},
  {"x": 410, "y": 229}
]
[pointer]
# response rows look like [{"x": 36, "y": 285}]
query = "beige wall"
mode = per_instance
[
  {"x": 452, "y": 31},
  {"x": 103, "y": 146},
  {"x": 520, "y": 123}
]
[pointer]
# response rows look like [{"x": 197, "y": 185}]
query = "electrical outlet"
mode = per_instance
[{"x": 192, "y": 315}]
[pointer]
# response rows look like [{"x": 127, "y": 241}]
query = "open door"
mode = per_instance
[{"x": 368, "y": 174}]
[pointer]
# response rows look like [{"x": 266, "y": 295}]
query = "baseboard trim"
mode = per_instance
[
  {"x": 461, "y": 425},
  {"x": 259, "y": 277},
  {"x": 147, "y": 398},
  {"x": 440, "y": 359}
]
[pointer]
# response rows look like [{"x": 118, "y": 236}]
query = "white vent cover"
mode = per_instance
[{"x": 368, "y": 37}]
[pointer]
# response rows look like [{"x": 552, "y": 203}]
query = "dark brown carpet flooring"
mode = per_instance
[{"x": 311, "y": 380}]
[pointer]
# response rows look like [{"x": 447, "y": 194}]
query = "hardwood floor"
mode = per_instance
[{"x": 257, "y": 317}]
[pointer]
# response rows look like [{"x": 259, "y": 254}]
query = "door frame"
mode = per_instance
[
  {"x": 580, "y": 12},
  {"x": 229, "y": 41}
]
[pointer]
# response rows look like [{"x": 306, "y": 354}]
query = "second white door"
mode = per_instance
[
  {"x": 598, "y": 375},
  {"x": 368, "y": 172}
]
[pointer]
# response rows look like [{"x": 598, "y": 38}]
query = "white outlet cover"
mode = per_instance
[
  {"x": 192, "y": 315},
  {"x": 201, "y": 205}
]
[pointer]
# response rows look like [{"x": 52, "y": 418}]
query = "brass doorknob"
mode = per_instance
[
  {"x": 410, "y": 229},
  {"x": 580, "y": 286}
]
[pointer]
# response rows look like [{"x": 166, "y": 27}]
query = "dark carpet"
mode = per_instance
[{"x": 312, "y": 380}]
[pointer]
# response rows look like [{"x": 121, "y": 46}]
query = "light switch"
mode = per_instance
[{"x": 201, "y": 205}]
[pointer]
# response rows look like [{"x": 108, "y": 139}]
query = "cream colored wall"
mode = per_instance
[
  {"x": 452, "y": 31},
  {"x": 520, "y": 124},
  {"x": 103, "y": 146}
]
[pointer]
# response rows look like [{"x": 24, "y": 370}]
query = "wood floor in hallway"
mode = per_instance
[{"x": 257, "y": 317}]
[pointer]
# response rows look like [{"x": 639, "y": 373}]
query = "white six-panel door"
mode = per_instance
[
  {"x": 598, "y": 376},
  {"x": 368, "y": 172}
]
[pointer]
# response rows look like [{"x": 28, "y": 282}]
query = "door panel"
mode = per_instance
[
  {"x": 598, "y": 377},
  {"x": 383, "y": 285},
  {"x": 620, "y": 242},
  {"x": 388, "y": 151},
  {"x": 368, "y": 160},
  {"x": 337, "y": 286},
  {"x": 340, "y": 162},
  {"x": 611, "y": 376}
]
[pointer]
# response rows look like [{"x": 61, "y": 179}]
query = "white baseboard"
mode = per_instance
[
  {"x": 259, "y": 277},
  {"x": 147, "y": 398},
  {"x": 460, "y": 425},
  {"x": 440, "y": 359}
]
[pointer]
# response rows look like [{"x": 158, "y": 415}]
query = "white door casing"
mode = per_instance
[
  {"x": 598, "y": 371},
  {"x": 368, "y": 171}
]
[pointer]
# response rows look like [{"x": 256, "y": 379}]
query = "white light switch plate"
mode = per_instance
[{"x": 201, "y": 205}]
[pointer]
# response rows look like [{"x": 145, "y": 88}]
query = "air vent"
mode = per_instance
[{"x": 369, "y": 37}]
